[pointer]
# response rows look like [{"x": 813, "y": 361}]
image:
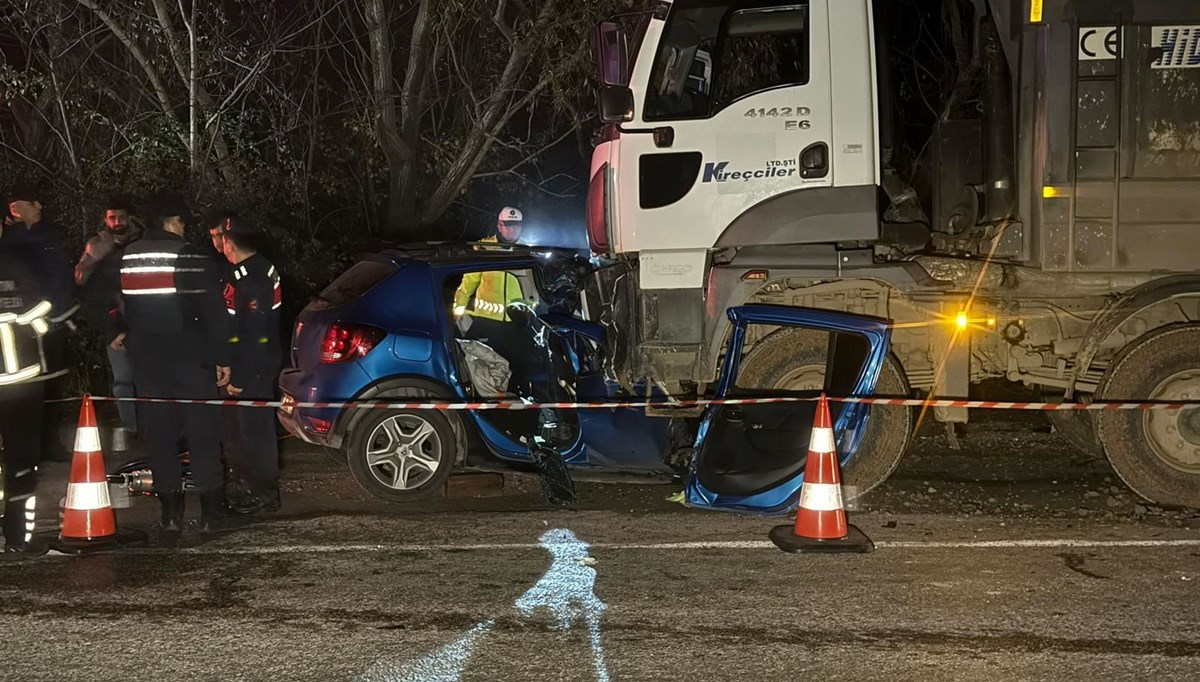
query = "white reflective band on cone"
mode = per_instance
[
  {"x": 87, "y": 496},
  {"x": 87, "y": 439},
  {"x": 822, "y": 440},
  {"x": 821, "y": 496}
]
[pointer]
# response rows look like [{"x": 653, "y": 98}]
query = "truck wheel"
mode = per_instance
[
  {"x": 1156, "y": 452},
  {"x": 794, "y": 359},
  {"x": 402, "y": 455},
  {"x": 1078, "y": 429}
]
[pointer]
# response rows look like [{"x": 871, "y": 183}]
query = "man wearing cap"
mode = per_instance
[
  {"x": 178, "y": 335},
  {"x": 98, "y": 274},
  {"x": 36, "y": 242},
  {"x": 253, "y": 297}
]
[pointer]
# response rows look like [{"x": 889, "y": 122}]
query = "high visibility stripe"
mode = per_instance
[
  {"x": 821, "y": 496},
  {"x": 8, "y": 346},
  {"x": 87, "y": 439},
  {"x": 31, "y": 516},
  {"x": 159, "y": 254},
  {"x": 34, "y": 314},
  {"x": 87, "y": 496},
  {"x": 822, "y": 440},
  {"x": 20, "y": 375},
  {"x": 148, "y": 268},
  {"x": 135, "y": 282},
  {"x": 144, "y": 292}
]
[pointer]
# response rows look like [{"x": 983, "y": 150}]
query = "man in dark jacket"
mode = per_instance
[
  {"x": 35, "y": 241},
  {"x": 253, "y": 297},
  {"x": 98, "y": 274},
  {"x": 178, "y": 335}
]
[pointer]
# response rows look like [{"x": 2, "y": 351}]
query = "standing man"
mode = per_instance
[
  {"x": 253, "y": 297},
  {"x": 24, "y": 313},
  {"x": 98, "y": 274},
  {"x": 37, "y": 242},
  {"x": 484, "y": 297},
  {"x": 178, "y": 333}
]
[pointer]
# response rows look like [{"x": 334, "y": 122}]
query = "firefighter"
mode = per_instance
[
  {"x": 178, "y": 337},
  {"x": 253, "y": 297},
  {"x": 25, "y": 309},
  {"x": 483, "y": 298},
  {"x": 98, "y": 274},
  {"x": 36, "y": 242}
]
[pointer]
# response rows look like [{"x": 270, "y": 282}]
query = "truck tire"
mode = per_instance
[
  {"x": 1078, "y": 429},
  {"x": 1156, "y": 452},
  {"x": 795, "y": 359}
]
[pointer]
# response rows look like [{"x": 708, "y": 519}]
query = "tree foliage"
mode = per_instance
[{"x": 324, "y": 120}]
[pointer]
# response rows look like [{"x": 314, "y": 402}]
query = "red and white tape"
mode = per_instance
[{"x": 682, "y": 404}]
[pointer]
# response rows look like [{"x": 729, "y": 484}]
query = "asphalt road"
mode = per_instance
[{"x": 1002, "y": 572}]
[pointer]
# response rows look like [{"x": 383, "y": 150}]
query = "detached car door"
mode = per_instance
[{"x": 750, "y": 458}]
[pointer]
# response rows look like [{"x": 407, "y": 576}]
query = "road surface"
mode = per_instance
[{"x": 985, "y": 569}]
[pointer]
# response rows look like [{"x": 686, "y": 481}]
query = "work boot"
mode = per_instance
[
  {"x": 263, "y": 500},
  {"x": 171, "y": 525},
  {"x": 214, "y": 514},
  {"x": 28, "y": 548}
]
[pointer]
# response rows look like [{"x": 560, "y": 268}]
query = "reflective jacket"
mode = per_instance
[
  {"x": 171, "y": 302},
  {"x": 253, "y": 296},
  {"x": 492, "y": 290},
  {"x": 24, "y": 322}
]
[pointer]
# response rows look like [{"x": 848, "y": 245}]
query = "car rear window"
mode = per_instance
[{"x": 358, "y": 280}]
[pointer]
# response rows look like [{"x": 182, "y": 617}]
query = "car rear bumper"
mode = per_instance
[{"x": 294, "y": 421}]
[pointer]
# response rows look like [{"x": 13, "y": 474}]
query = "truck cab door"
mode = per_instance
[
  {"x": 751, "y": 458},
  {"x": 733, "y": 106}
]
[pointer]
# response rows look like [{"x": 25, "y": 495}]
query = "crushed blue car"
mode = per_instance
[{"x": 386, "y": 331}]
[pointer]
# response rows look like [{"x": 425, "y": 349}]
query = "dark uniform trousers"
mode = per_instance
[
  {"x": 21, "y": 407},
  {"x": 254, "y": 446},
  {"x": 164, "y": 377},
  {"x": 253, "y": 297}
]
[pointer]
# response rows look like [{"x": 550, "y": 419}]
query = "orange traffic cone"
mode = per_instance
[
  {"x": 821, "y": 519},
  {"x": 88, "y": 522}
]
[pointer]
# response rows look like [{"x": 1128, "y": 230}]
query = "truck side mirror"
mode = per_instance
[{"x": 616, "y": 104}]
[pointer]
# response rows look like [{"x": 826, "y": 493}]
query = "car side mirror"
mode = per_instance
[{"x": 616, "y": 104}]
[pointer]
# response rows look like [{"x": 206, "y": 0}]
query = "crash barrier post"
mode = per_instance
[
  {"x": 88, "y": 521},
  {"x": 821, "y": 518}
]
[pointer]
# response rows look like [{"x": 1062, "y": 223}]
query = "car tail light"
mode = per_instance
[
  {"x": 319, "y": 425},
  {"x": 597, "y": 226},
  {"x": 346, "y": 342}
]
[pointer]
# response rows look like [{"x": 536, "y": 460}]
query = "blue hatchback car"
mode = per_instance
[{"x": 386, "y": 330}]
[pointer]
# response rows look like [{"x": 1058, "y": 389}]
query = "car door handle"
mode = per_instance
[{"x": 814, "y": 161}]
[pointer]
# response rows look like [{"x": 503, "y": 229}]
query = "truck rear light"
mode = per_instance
[
  {"x": 597, "y": 226},
  {"x": 346, "y": 342}
]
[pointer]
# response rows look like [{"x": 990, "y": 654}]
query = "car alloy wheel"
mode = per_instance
[{"x": 404, "y": 451}]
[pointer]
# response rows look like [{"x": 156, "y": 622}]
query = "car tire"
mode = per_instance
[
  {"x": 1155, "y": 452},
  {"x": 385, "y": 475},
  {"x": 795, "y": 358}
]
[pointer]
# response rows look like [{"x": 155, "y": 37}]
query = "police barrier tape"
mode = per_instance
[{"x": 517, "y": 405}]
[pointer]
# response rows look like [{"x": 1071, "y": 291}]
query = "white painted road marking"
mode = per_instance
[{"x": 702, "y": 544}]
